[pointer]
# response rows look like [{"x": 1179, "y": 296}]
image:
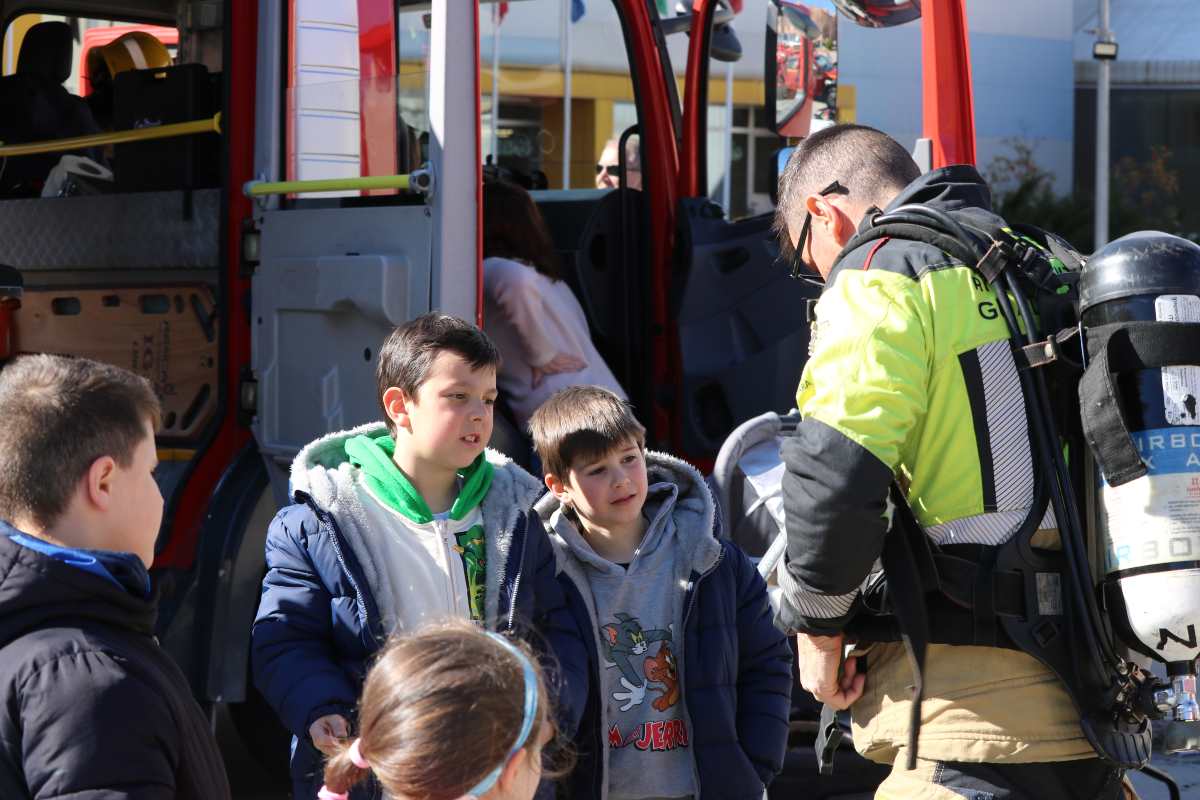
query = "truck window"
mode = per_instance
[
  {"x": 87, "y": 34},
  {"x": 525, "y": 48},
  {"x": 116, "y": 246},
  {"x": 66, "y": 77}
]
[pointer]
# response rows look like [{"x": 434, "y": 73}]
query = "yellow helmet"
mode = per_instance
[{"x": 134, "y": 50}]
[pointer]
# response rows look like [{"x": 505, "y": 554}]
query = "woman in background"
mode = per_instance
[{"x": 529, "y": 310}]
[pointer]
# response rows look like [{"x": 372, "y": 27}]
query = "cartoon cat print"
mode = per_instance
[{"x": 622, "y": 640}]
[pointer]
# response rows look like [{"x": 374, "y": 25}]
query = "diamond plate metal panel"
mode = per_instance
[{"x": 145, "y": 230}]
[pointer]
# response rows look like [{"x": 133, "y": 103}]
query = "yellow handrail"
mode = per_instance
[
  {"x": 210, "y": 125},
  {"x": 366, "y": 182}
]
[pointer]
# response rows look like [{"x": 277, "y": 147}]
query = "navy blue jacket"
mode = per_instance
[
  {"x": 318, "y": 625},
  {"x": 737, "y": 674}
]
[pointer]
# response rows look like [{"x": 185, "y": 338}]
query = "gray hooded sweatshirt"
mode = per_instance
[
  {"x": 414, "y": 571},
  {"x": 637, "y": 621}
]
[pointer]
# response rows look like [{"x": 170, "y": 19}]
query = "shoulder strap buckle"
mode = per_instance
[
  {"x": 1040, "y": 354},
  {"x": 997, "y": 259}
]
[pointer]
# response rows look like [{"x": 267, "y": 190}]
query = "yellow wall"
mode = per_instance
[
  {"x": 15, "y": 34},
  {"x": 591, "y": 121},
  {"x": 541, "y": 82},
  {"x": 847, "y": 103},
  {"x": 592, "y": 97}
]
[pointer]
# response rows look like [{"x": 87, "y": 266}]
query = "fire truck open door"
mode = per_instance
[{"x": 356, "y": 233}]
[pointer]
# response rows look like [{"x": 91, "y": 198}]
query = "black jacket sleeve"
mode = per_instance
[{"x": 835, "y": 505}]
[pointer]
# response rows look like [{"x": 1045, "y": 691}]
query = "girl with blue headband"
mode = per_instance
[{"x": 449, "y": 713}]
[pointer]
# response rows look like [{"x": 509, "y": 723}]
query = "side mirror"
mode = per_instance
[
  {"x": 801, "y": 66},
  {"x": 880, "y": 13},
  {"x": 723, "y": 45}
]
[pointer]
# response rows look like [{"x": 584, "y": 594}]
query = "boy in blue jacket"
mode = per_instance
[
  {"x": 690, "y": 680},
  {"x": 397, "y": 524}
]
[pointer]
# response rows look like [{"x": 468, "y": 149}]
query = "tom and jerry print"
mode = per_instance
[{"x": 646, "y": 694}]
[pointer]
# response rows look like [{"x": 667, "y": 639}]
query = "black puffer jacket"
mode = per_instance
[{"x": 92, "y": 708}]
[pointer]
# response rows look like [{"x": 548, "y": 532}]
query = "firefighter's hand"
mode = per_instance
[
  {"x": 327, "y": 731},
  {"x": 825, "y": 675}
]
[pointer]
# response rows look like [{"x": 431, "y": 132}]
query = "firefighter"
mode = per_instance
[{"x": 912, "y": 381}]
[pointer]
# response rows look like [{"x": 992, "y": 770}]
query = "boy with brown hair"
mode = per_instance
[
  {"x": 92, "y": 706},
  {"x": 398, "y": 524},
  {"x": 690, "y": 680}
]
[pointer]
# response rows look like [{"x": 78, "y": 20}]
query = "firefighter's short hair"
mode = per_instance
[{"x": 872, "y": 166}]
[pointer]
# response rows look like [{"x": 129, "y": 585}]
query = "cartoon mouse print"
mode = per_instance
[
  {"x": 661, "y": 669},
  {"x": 622, "y": 640}
]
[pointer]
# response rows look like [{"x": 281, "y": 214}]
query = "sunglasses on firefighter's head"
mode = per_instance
[{"x": 799, "y": 268}]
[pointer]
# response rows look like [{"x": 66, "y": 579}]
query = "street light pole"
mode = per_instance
[{"x": 1104, "y": 51}]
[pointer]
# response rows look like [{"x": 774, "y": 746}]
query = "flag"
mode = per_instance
[
  {"x": 577, "y": 10},
  {"x": 503, "y": 11}
]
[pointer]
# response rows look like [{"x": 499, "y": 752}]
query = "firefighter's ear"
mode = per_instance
[
  {"x": 832, "y": 216},
  {"x": 824, "y": 213},
  {"x": 396, "y": 404}
]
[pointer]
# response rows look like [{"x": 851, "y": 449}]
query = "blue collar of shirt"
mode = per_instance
[{"x": 124, "y": 570}]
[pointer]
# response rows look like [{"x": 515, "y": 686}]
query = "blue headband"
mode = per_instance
[{"x": 531, "y": 707}]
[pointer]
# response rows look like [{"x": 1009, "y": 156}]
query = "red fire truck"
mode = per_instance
[{"x": 308, "y": 176}]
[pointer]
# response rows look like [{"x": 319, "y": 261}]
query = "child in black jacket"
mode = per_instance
[{"x": 92, "y": 707}]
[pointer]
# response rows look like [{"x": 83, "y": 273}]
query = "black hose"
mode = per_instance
[
  {"x": 1044, "y": 438},
  {"x": 1065, "y": 507},
  {"x": 1163, "y": 777},
  {"x": 946, "y": 223}
]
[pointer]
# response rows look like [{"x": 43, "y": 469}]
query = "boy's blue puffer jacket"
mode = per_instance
[
  {"x": 737, "y": 666},
  {"x": 318, "y": 625}
]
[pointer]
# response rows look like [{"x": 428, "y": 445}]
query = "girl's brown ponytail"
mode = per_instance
[{"x": 342, "y": 773}]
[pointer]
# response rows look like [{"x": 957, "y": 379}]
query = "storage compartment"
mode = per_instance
[{"x": 167, "y": 334}]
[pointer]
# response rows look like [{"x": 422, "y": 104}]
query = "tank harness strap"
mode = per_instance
[
  {"x": 907, "y": 560},
  {"x": 1117, "y": 348},
  {"x": 983, "y": 597}
]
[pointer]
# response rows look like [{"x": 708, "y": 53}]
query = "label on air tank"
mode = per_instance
[
  {"x": 1181, "y": 385},
  {"x": 1156, "y": 518}
]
